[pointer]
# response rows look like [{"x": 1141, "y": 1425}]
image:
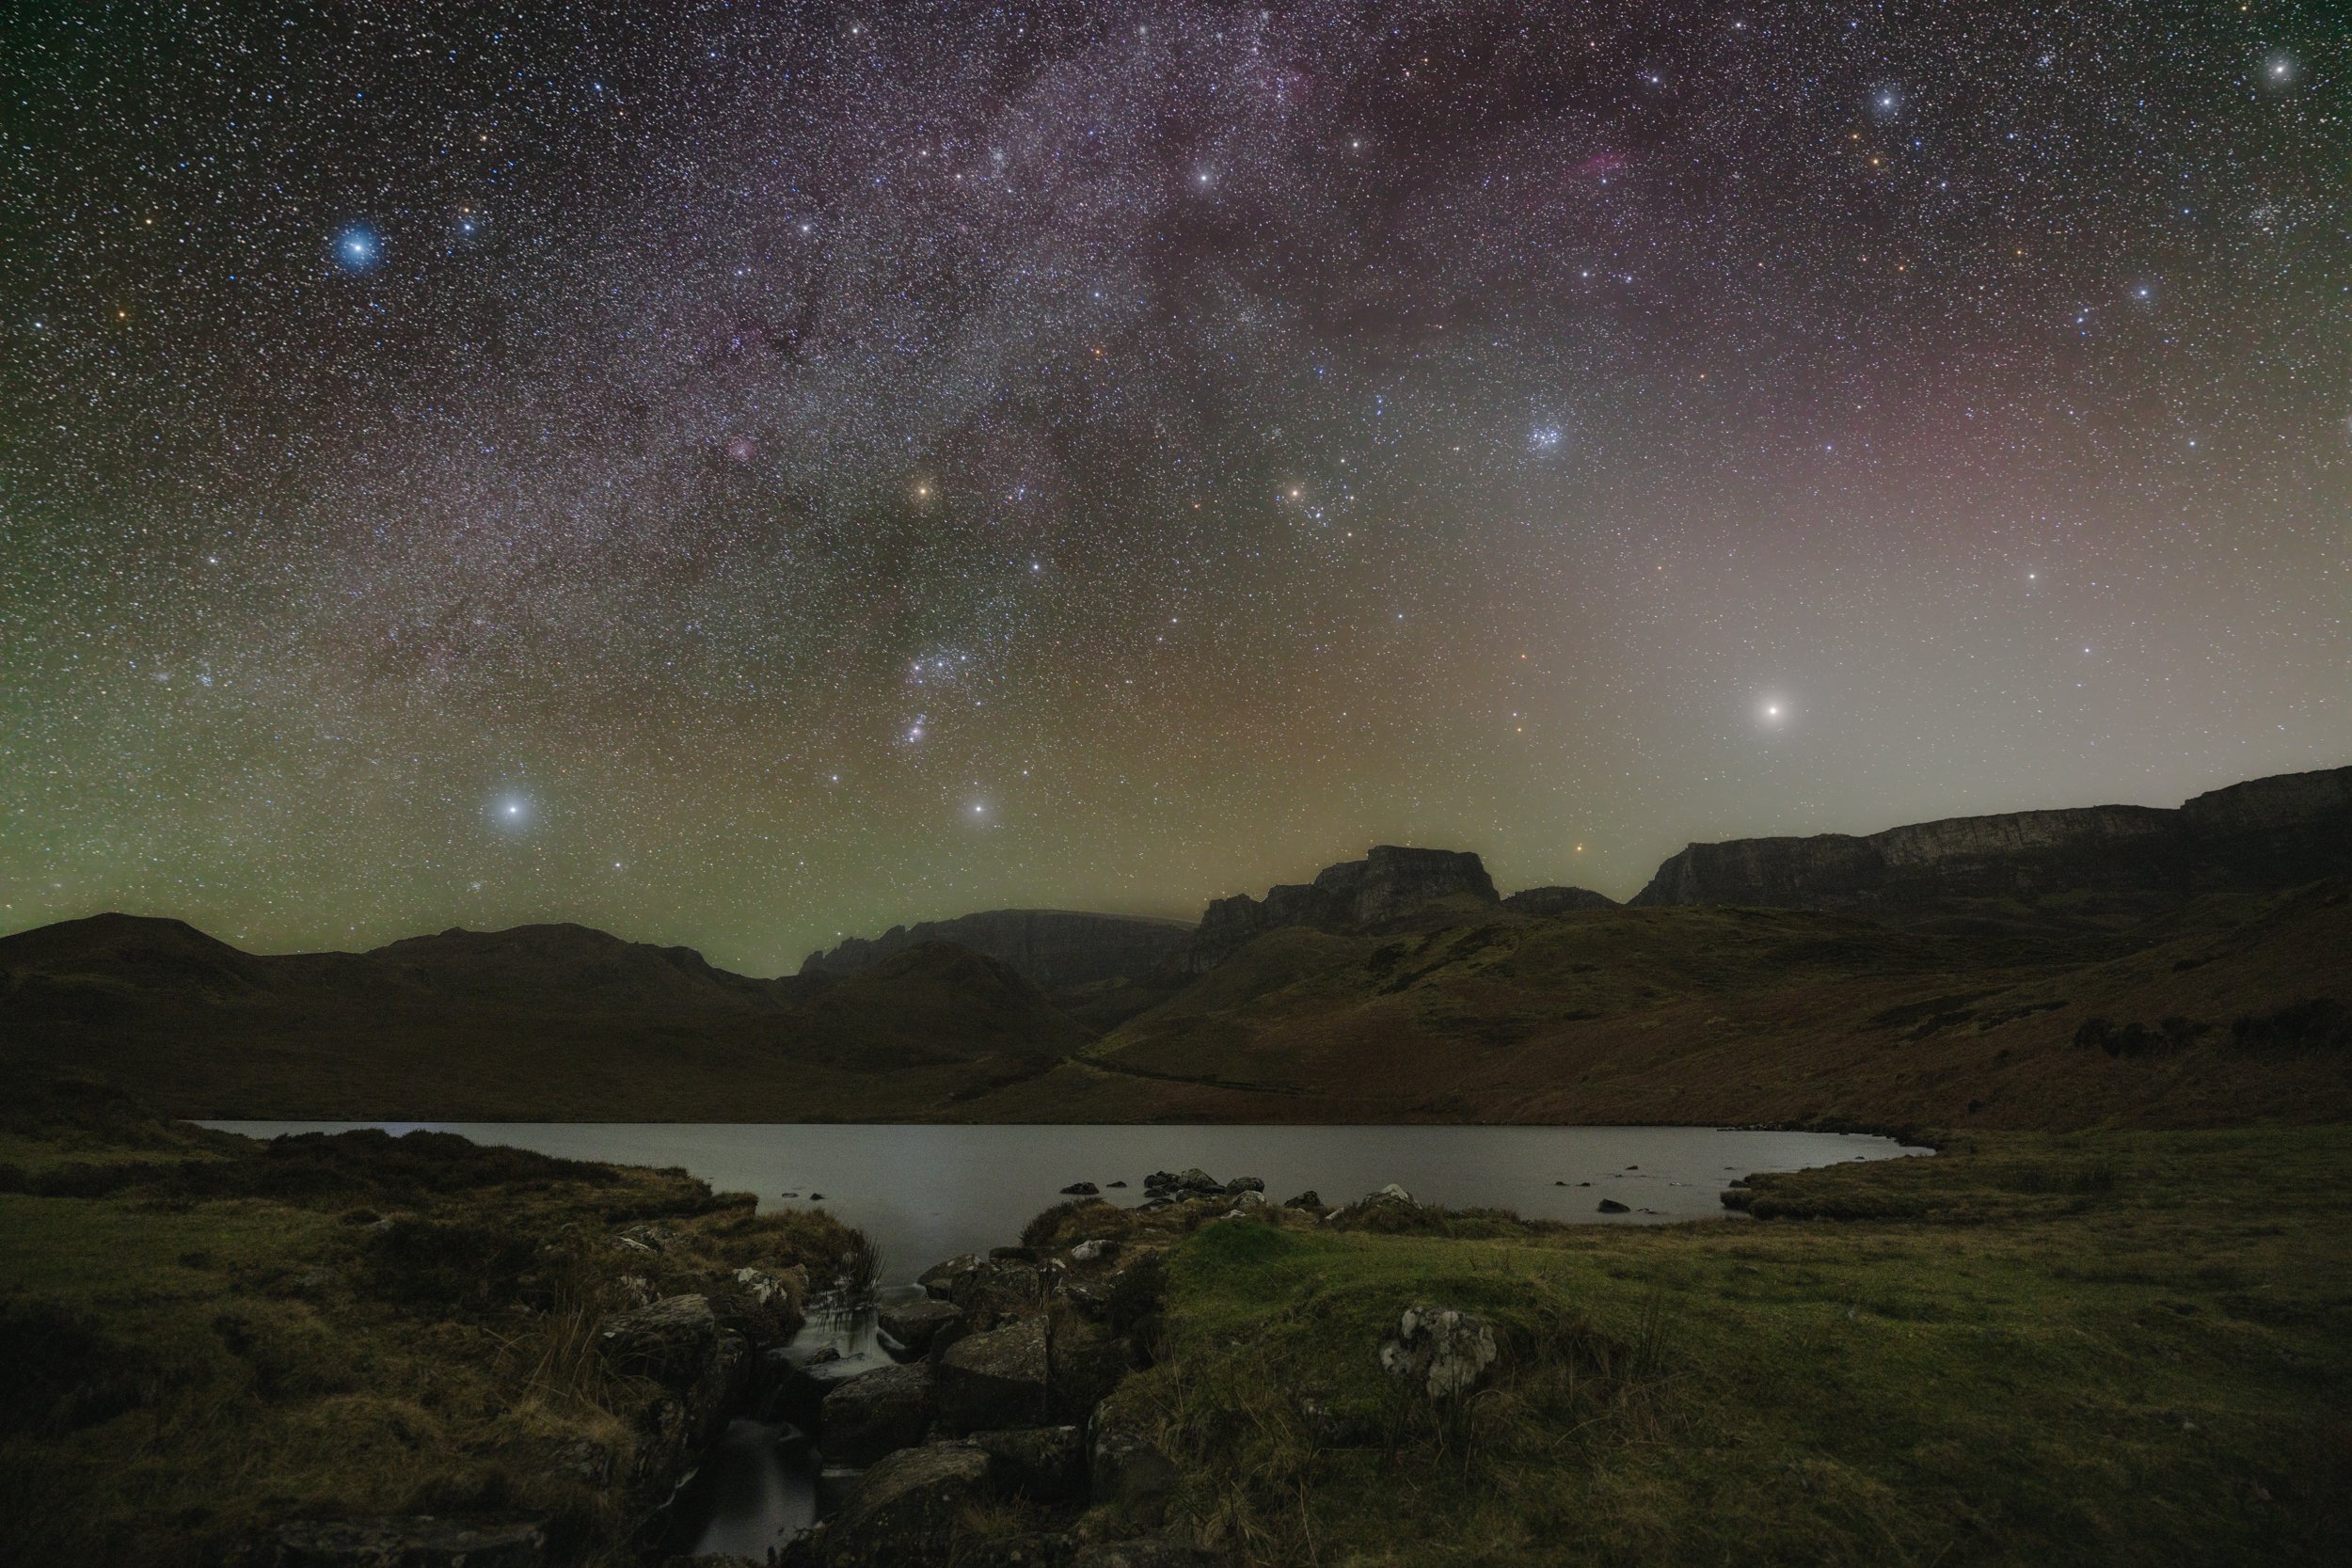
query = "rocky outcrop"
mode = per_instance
[
  {"x": 2265, "y": 834},
  {"x": 1557, "y": 900},
  {"x": 1053, "y": 948},
  {"x": 1391, "y": 882},
  {"x": 703, "y": 1368}
]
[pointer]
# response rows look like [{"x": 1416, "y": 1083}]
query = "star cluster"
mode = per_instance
[{"x": 738, "y": 474}]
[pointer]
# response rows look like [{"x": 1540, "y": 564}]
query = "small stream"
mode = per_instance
[{"x": 764, "y": 1480}]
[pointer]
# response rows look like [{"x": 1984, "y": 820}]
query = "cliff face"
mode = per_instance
[
  {"x": 1390, "y": 880},
  {"x": 2268, "y": 832},
  {"x": 1046, "y": 947}
]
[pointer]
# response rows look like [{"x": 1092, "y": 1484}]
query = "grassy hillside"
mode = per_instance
[{"x": 2034, "y": 1350}]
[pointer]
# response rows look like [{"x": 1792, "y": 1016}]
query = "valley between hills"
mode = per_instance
[{"x": 2069, "y": 968}]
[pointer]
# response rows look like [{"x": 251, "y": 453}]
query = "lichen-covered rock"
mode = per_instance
[
  {"x": 1441, "y": 1350},
  {"x": 874, "y": 1413},
  {"x": 414, "y": 1541},
  {"x": 671, "y": 1341},
  {"x": 903, "y": 1512},
  {"x": 1028, "y": 1374},
  {"x": 1043, "y": 1464},
  {"x": 920, "y": 1324}
]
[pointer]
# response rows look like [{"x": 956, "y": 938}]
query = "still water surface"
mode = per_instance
[{"x": 928, "y": 1192}]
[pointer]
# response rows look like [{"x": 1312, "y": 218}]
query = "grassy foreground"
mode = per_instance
[
  {"x": 2098, "y": 1348},
  {"x": 201, "y": 1338}
]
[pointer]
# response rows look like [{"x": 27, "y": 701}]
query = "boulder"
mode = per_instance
[
  {"x": 1044, "y": 1463},
  {"x": 704, "y": 1369},
  {"x": 1310, "y": 1199},
  {"x": 1081, "y": 1189},
  {"x": 1444, "y": 1351},
  {"x": 903, "y": 1512},
  {"x": 413, "y": 1541},
  {"x": 1611, "y": 1206},
  {"x": 920, "y": 1324},
  {"x": 874, "y": 1413},
  {"x": 1246, "y": 1184},
  {"x": 1020, "y": 1376}
]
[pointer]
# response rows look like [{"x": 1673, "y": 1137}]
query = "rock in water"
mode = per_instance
[
  {"x": 1611, "y": 1206},
  {"x": 875, "y": 1413},
  {"x": 920, "y": 1324},
  {"x": 904, "y": 1513},
  {"x": 1081, "y": 1189},
  {"x": 1441, "y": 1349}
]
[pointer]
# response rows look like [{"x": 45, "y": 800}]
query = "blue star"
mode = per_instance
[{"x": 357, "y": 250}]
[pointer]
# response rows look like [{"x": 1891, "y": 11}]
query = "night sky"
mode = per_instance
[{"x": 740, "y": 474}]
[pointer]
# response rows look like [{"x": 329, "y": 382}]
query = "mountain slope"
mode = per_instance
[{"x": 1736, "y": 1015}]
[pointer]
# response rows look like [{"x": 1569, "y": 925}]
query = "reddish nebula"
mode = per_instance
[
  {"x": 741, "y": 449},
  {"x": 1602, "y": 162}
]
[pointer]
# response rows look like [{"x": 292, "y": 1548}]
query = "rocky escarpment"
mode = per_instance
[
  {"x": 2265, "y": 833},
  {"x": 1389, "y": 882},
  {"x": 1053, "y": 948}
]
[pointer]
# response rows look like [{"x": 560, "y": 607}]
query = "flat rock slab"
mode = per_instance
[
  {"x": 413, "y": 1541},
  {"x": 904, "y": 1510}
]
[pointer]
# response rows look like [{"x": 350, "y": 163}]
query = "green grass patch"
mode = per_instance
[{"x": 2088, "y": 1348}]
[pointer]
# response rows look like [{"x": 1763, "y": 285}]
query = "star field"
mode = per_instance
[{"x": 740, "y": 474}]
